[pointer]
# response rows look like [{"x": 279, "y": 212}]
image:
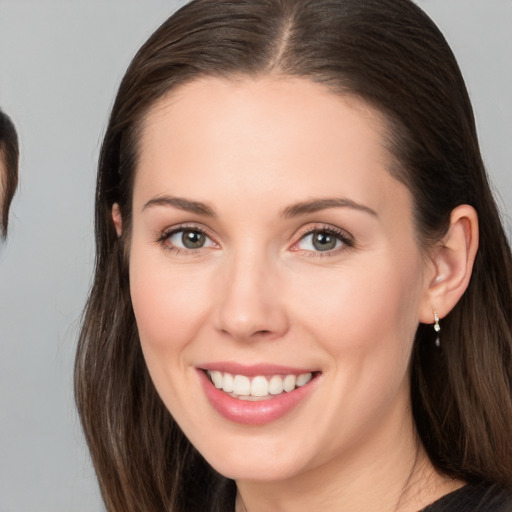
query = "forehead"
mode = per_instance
[
  {"x": 278, "y": 103},
  {"x": 258, "y": 137}
]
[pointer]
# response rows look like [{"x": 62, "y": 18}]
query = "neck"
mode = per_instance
[{"x": 389, "y": 474}]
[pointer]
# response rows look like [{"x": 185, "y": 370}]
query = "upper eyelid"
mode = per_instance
[
  {"x": 299, "y": 234},
  {"x": 163, "y": 238},
  {"x": 183, "y": 227},
  {"x": 347, "y": 241},
  {"x": 342, "y": 233}
]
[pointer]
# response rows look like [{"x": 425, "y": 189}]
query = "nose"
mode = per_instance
[{"x": 249, "y": 299}]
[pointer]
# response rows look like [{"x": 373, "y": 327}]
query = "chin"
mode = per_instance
[
  {"x": 260, "y": 470},
  {"x": 254, "y": 458}
]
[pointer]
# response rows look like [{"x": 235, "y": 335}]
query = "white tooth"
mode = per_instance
[
  {"x": 304, "y": 378},
  {"x": 241, "y": 385},
  {"x": 216, "y": 379},
  {"x": 259, "y": 386},
  {"x": 227, "y": 383},
  {"x": 289, "y": 383},
  {"x": 276, "y": 385}
]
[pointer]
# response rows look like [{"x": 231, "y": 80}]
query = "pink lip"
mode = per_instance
[{"x": 259, "y": 412}]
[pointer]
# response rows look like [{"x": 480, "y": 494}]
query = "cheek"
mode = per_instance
[
  {"x": 366, "y": 312},
  {"x": 170, "y": 306},
  {"x": 168, "y": 303},
  {"x": 364, "y": 320}
]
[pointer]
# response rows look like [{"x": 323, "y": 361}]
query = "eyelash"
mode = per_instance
[
  {"x": 164, "y": 237},
  {"x": 347, "y": 242},
  {"x": 345, "y": 239}
]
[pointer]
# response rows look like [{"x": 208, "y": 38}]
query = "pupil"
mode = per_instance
[
  {"x": 324, "y": 241},
  {"x": 192, "y": 239}
]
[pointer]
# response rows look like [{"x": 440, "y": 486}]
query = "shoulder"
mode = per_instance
[{"x": 474, "y": 498}]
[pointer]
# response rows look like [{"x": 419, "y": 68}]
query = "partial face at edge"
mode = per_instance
[
  {"x": 3, "y": 179},
  {"x": 269, "y": 239}
]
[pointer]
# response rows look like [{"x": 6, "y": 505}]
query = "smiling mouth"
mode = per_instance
[{"x": 259, "y": 387}]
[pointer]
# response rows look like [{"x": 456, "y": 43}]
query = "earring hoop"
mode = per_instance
[{"x": 437, "y": 329}]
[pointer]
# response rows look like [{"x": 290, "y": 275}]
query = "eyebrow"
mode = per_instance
[
  {"x": 294, "y": 210},
  {"x": 315, "y": 205},
  {"x": 181, "y": 203}
]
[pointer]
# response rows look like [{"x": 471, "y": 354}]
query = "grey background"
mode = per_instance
[{"x": 60, "y": 64}]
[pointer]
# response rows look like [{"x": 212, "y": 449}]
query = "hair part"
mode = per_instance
[
  {"x": 392, "y": 56},
  {"x": 9, "y": 156}
]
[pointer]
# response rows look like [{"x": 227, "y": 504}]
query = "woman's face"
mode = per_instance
[
  {"x": 3, "y": 177},
  {"x": 272, "y": 252},
  {"x": 3, "y": 182}
]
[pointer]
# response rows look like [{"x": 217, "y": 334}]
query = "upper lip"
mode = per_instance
[{"x": 253, "y": 370}]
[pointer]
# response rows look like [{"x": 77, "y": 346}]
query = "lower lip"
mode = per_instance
[{"x": 253, "y": 413}]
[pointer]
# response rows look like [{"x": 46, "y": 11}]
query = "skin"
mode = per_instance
[{"x": 259, "y": 292}]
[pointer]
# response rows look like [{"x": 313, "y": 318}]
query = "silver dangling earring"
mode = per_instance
[{"x": 437, "y": 328}]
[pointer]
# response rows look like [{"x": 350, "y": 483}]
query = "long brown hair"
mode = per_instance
[
  {"x": 9, "y": 155},
  {"x": 390, "y": 54}
]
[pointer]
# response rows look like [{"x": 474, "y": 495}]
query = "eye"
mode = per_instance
[
  {"x": 188, "y": 239},
  {"x": 323, "y": 240}
]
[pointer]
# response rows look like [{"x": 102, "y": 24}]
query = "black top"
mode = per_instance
[
  {"x": 470, "y": 498},
  {"x": 473, "y": 498}
]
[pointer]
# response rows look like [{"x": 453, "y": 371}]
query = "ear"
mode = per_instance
[
  {"x": 118, "y": 220},
  {"x": 452, "y": 264}
]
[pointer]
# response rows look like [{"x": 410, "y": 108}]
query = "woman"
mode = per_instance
[
  {"x": 302, "y": 297},
  {"x": 8, "y": 168}
]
